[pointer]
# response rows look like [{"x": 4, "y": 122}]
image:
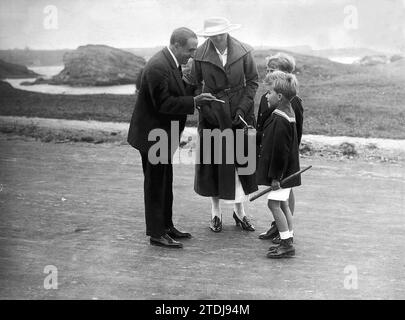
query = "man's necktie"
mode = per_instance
[{"x": 181, "y": 72}]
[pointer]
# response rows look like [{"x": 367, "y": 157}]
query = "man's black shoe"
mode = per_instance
[
  {"x": 176, "y": 234},
  {"x": 216, "y": 224},
  {"x": 271, "y": 233},
  {"x": 165, "y": 241}
]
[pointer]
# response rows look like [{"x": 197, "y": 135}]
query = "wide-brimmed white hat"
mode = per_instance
[{"x": 217, "y": 25}]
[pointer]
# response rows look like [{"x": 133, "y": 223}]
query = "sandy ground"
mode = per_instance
[
  {"x": 65, "y": 89},
  {"x": 79, "y": 207}
]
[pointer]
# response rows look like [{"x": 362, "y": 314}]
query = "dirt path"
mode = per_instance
[
  {"x": 79, "y": 207},
  {"x": 122, "y": 129}
]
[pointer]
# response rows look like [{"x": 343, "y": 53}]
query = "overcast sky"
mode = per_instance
[{"x": 376, "y": 24}]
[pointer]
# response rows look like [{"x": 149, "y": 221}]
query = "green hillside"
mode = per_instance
[
  {"x": 353, "y": 100},
  {"x": 101, "y": 107}
]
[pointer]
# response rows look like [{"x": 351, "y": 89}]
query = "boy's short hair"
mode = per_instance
[
  {"x": 284, "y": 83},
  {"x": 282, "y": 61}
]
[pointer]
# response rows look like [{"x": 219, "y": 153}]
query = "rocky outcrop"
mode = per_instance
[
  {"x": 97, "y": 65},
  {"x": 396, "y": 57},
  {"x": 374, "y": 60},
  {"x": 11, "y": 70}
]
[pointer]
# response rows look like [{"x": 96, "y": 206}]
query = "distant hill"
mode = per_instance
[
  {"x": 345, "y": 52},
  {"x": 311, "y": 63},
  {"x": 380, "y": 59},
  {"x": 11, "y": 70},
  {"x": 146, "y": 53},
  {"x": 30, "y": 58},
  {"x": 326, "y": 53},
  {"x": 39, "y": 58},
  {"x": 306, "y": 65},
  {"x": 295, "y": 49},
  {"x": 374, "y": 60}
]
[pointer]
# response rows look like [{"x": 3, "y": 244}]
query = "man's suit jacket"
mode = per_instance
[{"x": 162, "y": 98}]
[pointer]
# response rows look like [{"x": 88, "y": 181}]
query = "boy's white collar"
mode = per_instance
[{"x": 284, "y": 115}]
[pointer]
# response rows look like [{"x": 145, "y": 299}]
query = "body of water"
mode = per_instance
[
  {"x": 50, "y": 71},
  {"x": 345, "y": 60}
]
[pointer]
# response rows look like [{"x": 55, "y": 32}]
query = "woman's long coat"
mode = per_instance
[{"x": 235, "y": 83}]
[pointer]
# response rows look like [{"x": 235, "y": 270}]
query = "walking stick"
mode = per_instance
[{"x": 284, "y": 181}]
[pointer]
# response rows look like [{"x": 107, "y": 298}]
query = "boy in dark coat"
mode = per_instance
[
  {"x": 286, "y": 63},
  {"x": 279, "y": 157}
]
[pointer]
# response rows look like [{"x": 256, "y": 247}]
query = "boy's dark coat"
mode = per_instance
[{"x": 278, "y": 155}]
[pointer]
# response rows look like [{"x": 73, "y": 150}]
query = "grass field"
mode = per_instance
[{"x": 338, "y": 100}]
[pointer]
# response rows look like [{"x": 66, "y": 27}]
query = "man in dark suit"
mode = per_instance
[{"x": 161, "y": 103}]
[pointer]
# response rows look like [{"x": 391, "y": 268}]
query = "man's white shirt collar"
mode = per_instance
[{"x": 175, "y": 60}]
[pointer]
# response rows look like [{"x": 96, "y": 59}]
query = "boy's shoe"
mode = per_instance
[
  {"x": 284, "y": 250},
  {"x": 276, "y": 239},
  {"x": 269, "y": 234},
  {"x": 276, "y": 246}
]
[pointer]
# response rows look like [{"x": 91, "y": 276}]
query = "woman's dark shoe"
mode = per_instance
[
  {"x": 269, "y": 234},
  {"x": 216, "y": 224},
  {"x": 284, "y": 250},
  {"x": 244, "y": 223}
]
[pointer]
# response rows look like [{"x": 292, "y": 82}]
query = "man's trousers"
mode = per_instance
[{"x": 158, "y": 196}]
